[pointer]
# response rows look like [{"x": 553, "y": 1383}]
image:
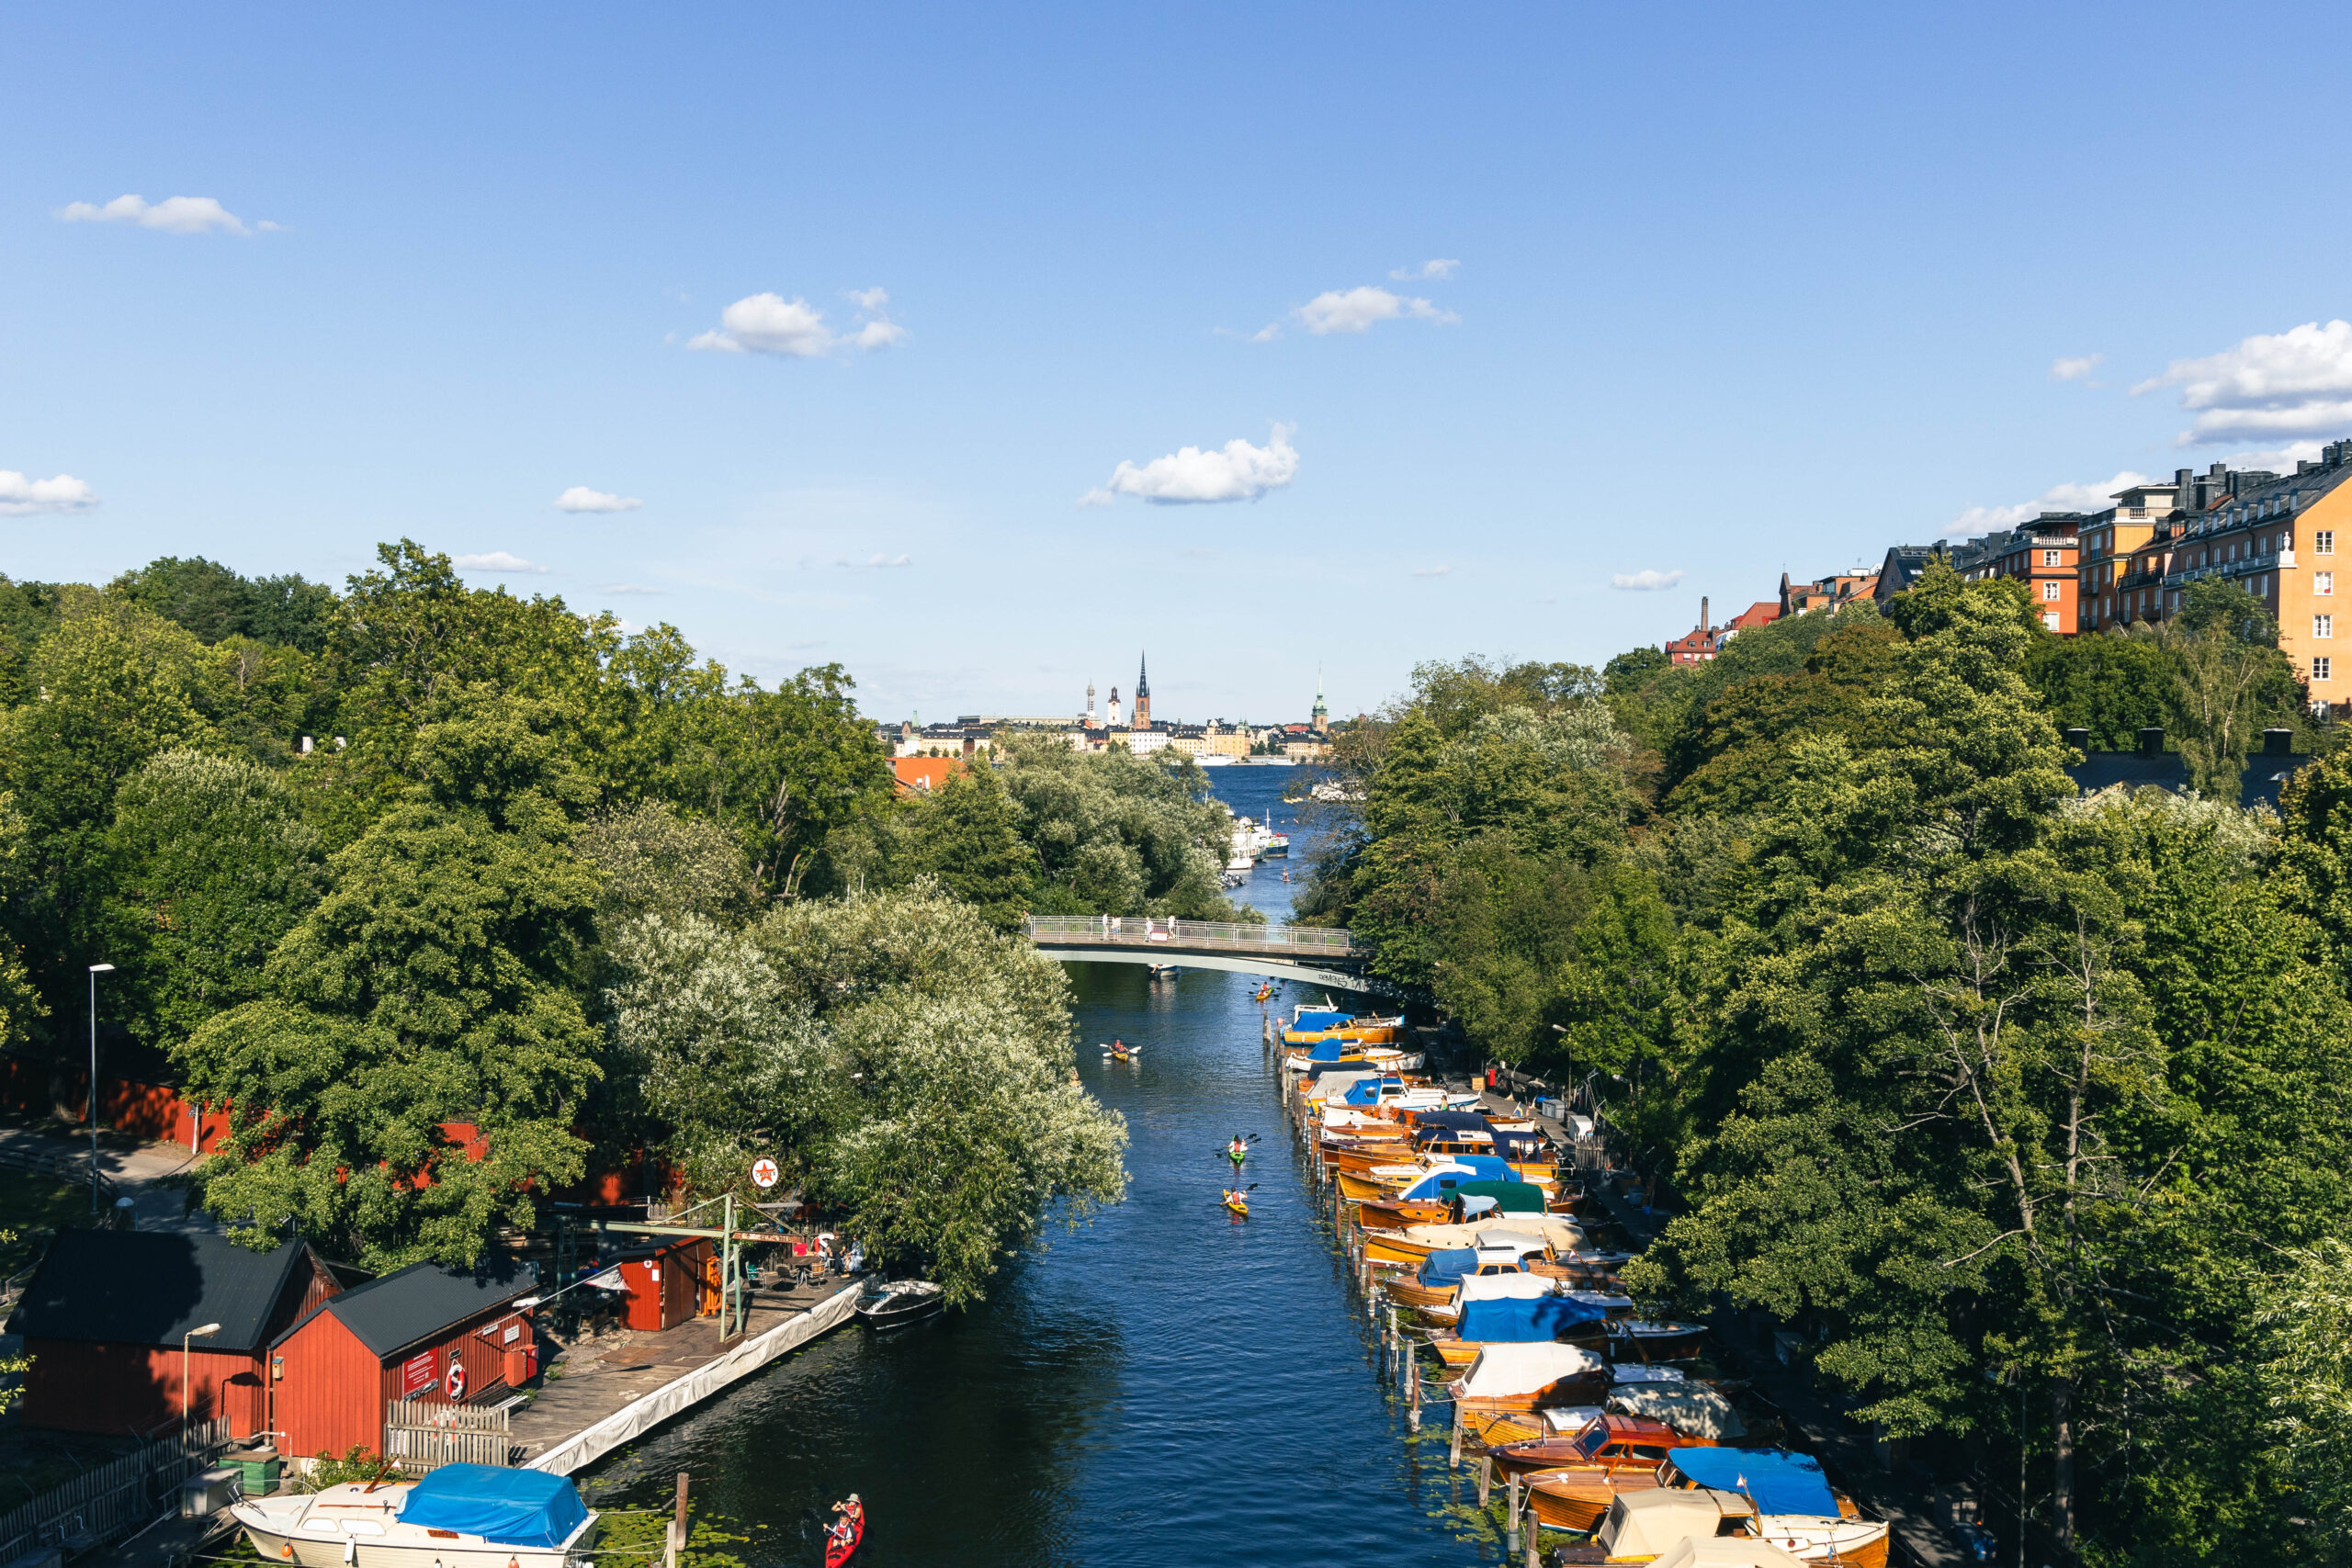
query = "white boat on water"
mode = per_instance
[{"x": 460, "y": 1516}]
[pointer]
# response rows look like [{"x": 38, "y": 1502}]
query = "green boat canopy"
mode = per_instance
[{"x": 1510, "y": 1197}]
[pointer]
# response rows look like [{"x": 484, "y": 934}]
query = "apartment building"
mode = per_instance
[
  {"x": 1832, "y": 592},
  {"x": 2041, "y": 555}
]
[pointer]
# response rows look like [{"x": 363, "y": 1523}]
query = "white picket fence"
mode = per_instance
[{"x": 116, "y": 1498}]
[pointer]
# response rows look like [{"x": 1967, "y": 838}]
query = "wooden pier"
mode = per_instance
[{"x": 602, "y": 1394}]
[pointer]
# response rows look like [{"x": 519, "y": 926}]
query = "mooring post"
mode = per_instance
[
  {"x": 677, "y": 1531},
  {"x": 1511, "y": 1518},
  {"x": 1486, "y": 1477},
  {"x": 1534, "y": 1530}
]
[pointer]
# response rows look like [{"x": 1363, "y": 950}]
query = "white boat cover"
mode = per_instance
[
  {"x": 1544, "y": 1229},
  {"x": 1726, "y": 1552},
  {"x": 1570, "y": 1418},
  {"x": 1505, "y": 1287},
  {"x": 1626, "y": 1373},
  {"x": 1646, "y": 1523},
  {"x": 1503, "y": 1370},
  {"x": 1690, "y": 1408}
]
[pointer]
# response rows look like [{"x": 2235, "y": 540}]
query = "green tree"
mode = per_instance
[
  {"x": 966, "y": 837},
  {"x": 413, "y": 1073},
  {"x": 214, "y": 865},
  {"x": 2229, "y": 681},
  {"x": 215, "y": 603},
  {"x": 2111, "y": 685},
  {"x": 1119, "y": 834}
]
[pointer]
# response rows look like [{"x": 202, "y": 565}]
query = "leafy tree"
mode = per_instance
[
  {"x": 215, "y": 603},
  {"x": 214, "y": 866},
  {"x": 899, "y": 1056},
  {"x": 412, "y": 1074},
  {"x": 2111, "y": 685},
  {"x": 2304, "y": 1327},
  {"x": 966, "y": 837},
  {"x": 1733, "y": 754},
  {"x": 2230, "y": 680},
  {"x": 655, "y": 861},
  {"x": 1119, "y": 834}
]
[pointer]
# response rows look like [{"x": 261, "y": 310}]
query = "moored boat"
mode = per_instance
[
  {"x": 460, "y": 1516},
  {"x": 1795, "y": 1509},
  {"x": 903, "y": 1301}
]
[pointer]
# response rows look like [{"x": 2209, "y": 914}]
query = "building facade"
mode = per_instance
[{"x": 2043, "y": 555}]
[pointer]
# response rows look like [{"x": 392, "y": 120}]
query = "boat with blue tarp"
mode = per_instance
[{"x": 460, "y": 1516}]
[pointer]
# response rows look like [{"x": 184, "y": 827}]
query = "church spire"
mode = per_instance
[
  {"x": 1321, "y": 720},
  {"x": 1143, "y": 693}
]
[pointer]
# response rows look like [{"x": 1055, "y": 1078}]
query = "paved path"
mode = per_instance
[{"x": 140, "y": 1171}]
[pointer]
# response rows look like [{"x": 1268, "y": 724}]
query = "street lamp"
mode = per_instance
[
  {"x": 204, "y": 1333},
  {"x": 90, "y": 1101}
]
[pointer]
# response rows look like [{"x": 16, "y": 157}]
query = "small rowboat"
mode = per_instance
[{"x": 906, "y": 1301}]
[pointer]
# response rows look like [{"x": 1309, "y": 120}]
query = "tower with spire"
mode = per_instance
[
  {"x": 1143, "y": 693},
  {"x": 1089, "y": 705},
  {"x": 1320, "y": 720},
  {"x": 1113, "y": 722}
]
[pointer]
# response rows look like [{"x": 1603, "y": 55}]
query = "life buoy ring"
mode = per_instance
[{"x": 455, "y": 1383}]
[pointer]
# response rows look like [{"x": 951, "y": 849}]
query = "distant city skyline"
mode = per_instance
[{"x": 971, "y": 342}]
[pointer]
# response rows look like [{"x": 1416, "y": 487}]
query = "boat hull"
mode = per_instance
[
  {"x": 1579, "y": 1499},
  {"x": 317, "y": 1545}
]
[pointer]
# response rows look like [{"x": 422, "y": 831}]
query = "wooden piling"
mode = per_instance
[
  {"x": 1534, "y": 1530},
  {"x": 1486, "y": 1477},
  {"x": 674, "y": 1538},
  {"x": 1510, "y": 1519}
]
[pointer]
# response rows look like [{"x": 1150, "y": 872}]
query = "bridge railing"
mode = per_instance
[{"x": 1140, "y": 931}]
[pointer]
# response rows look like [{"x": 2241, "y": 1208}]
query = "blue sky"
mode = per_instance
[{"x": 1733, "y": 292}]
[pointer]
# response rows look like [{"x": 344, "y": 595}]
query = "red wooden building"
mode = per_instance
[
  {"x": 665, "y": 1284},
  {"x": 457, "y": 1336},
  {"x": 105, "y": 1311}
]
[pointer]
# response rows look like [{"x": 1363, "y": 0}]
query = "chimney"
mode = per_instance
[
  {"x": 1706, "y": 625},
  {"x": 2181, "y": 477},
  {"x": 2079, "y": 739},
  {"x": 2151, "y": 740},
  {"x": 2276, "y": 742}
]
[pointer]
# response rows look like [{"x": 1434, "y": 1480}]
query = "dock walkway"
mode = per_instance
[{"x": 602, "y": 1394}]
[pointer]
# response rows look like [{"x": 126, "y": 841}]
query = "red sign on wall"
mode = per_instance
[{"x": 416, "y": 1374}]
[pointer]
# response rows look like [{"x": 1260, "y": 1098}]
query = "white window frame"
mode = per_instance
[
  {"x": 2321, "y": 665},
  {"x": 2050, "y": 592},
  {"x": 2323, "y": 542},
  {"x": 2322, "y": 626},
  {"x": 2323, "y": 583}
]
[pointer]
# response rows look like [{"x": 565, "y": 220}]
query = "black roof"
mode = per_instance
[
  {"x": 151, "y": 1287},
  {"x": 417, "y": 1303},
  {"x": 1455, "y": 1120},
  {"x": 2266, "y": 773}
]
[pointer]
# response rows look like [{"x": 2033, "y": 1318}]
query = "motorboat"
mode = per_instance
[
  {"x": 1796, "y": 1508},
  {"x": 903, "y": 1301},
  {"x": 460, "y": 1516}
]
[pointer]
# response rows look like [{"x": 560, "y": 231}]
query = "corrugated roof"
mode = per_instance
[
  {"x": 151, "y": 1287},
  {"x": 420, "y": 1301}
]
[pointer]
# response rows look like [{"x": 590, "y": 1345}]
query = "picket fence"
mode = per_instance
[{"x": 425, "y": 1435}]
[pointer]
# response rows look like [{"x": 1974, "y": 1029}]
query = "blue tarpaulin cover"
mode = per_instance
[
  {"x": 1433, "y": 1188},
  {"x": 1775, "y": 1480},
  {"x": 1544, "y": 1317},
  {"x": 1312, "y": 1019},
  {"x": 1443, "y": 1267},
  {"x": 1366, "y": 1091},
  {"x": 1328, "y": 1051},
  {"x": 513, "y": 1507},
  {"x": 1486, "y": 1167}
]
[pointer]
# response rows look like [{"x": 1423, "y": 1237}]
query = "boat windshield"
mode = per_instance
[{"x": 1589, "y": 1442}]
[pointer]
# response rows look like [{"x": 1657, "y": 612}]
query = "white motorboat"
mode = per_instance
[{"x": 460, "y": 1516}]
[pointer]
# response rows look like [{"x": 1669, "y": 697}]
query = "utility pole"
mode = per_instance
[{"x": 90, "y": 1099}]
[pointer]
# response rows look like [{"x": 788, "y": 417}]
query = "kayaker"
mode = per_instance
[
  {"x": 853, "y": 1512},
  {"x": 1236, "y": 1151}
]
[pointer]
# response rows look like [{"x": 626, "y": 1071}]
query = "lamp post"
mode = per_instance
[
  {"x": 90, "y": 1101},
  {"x": 204, "y": 1333}
]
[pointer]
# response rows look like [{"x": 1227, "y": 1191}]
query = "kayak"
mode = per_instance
[
  {"x": 1238, "y": 1204},
  {"x": 840, "y": 1548}
]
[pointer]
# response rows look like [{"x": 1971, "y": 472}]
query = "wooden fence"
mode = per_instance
[
  {"x": 116, "y": 1498},
  {"x": 423, "y": 1434}
]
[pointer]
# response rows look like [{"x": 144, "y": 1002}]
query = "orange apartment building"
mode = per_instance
[
  {"x": 2273, "y": 534},
  {"x": 2041, "y": 555}
]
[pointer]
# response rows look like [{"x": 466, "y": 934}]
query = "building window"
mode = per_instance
[
  {"x": 2049, "y": 588},
  {"x": 2323, "y": 542},
  {"x": 2050, "y": 557},
  {"x": 2050, "y": 619},
  {"x": 2323, "y": 626},
  {"x": 2324, "y": 582},
  {"x": 2320, "y": 668}
]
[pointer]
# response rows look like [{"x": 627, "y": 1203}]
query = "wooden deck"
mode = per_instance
[{"x": 599, "y": 1378}]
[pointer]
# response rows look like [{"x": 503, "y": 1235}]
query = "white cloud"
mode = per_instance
[
  {"x": 495, "y": 560},
  {"x": 2057, "y": 498},
  {"x": 579, "y": 498},
  {"x": 769, "y": 324},
  {"x": 21, "y": 496},
  {"x": 1428, "y": 269},
  {"x": 1431, "y": 570},
  {"x": 2298, "y": 382},
  {"x": 1236, "y": 471},
  {"x": 882, "y": 561},
  {"x": 1648, "y": 580},
  {"x": 173, "y": 215},
  {"x": 2074, "y": 370},
  {"x": 628, "y": 588},
  {"x": 1357, "y": 310}
]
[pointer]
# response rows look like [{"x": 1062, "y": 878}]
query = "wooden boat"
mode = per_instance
[
  {"x": 1795, "y": 1507},
  {"x": 901, "y": 1303},
  {"x": 1578, "y": 1499},
  {"x": 1612, "y": 1443},
  {"x": 398, "y": 1525},
  {"x": 1641, "y": 1340},
  {"x": 1397, "y": 1215},
  {"x": 1509, "y": 1380}
]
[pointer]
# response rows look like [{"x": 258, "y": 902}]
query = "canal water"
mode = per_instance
[{"x": 1163, "y": 1386}]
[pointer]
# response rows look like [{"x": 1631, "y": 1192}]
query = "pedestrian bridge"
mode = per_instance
[{"x": 1313, "y": 954}]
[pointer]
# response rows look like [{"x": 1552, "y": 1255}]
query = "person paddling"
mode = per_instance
[{"x": 1237, "y": 1150}]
